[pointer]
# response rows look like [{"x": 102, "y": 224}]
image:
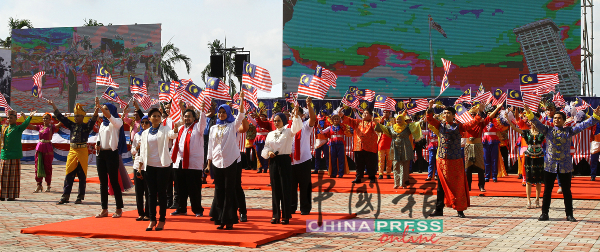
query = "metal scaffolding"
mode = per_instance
[{"x": 587, "y": 48}]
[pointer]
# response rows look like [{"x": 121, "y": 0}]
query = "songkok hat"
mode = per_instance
[{"x": 79, "y": 110}]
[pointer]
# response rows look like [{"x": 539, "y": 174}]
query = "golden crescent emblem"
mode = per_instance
[
  {"x": 194, "y": 89},
  {"x": 304, "y": 79},
  {"x": 111, "y": 93},
  {"x": 212, "y": 82},
  {"x": 522, "y": 79}
]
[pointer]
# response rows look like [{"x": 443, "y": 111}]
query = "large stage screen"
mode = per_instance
[
  {"x": 385, "y": 45},
  {"x": 69, "y": 57}
]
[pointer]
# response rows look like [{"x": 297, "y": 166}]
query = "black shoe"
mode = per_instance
[
  {"x": 229, "y": 227},
  {"x": 356, "y": 181},
  {"x": 543, "y": 217},
  {"x": 174, "y": 206},
  {"x": 389, "y": 177},
  {"x": 520, "y": 176},
  {"x": 437, "y": 213},
  {"x": 340, "y": 176},
  {"x": 243, "y": 218},
  {"x": 332, "y": 176},
  {"x": 372, "y": 180},
  {"x": 221, "y": 226},
  {"x": 139, "y": 218},
  {"x": 269, "y": 184},
  {"x": 259, "y": 171},
  {"x": 314, "y": 172},
  {"x": 78, "y": 201},
  {"x": 248, "y": 168},
  {"x": 487, "y": 180},
  {"x": 176, "y": 212},
  {"x": 461, "y": 214},
  {"x": 212, "y": 219},
  {"x": 407, "y": 182},
  {"x": 428, "y": 179},
  {"x": 571, "y": 218},
  {"x": 2, "y": 199},
  {"x": 495, "y": 180},
  {"x": 593, "y": 179},
  {"x": 285, "y": 221},
  {"x": 380, "y": 176},
  {"x": 275, "y": 220},
  {"x": 60, "y": 202},
  {"x": 10, "y": 199},
  {"x": 304, "y": 213},
  {"x": 204, "y": 181},
  {"x": 200, "y": 214}
]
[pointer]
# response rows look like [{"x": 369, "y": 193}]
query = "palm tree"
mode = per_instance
[
  {"x": 229, "y": 59},
  {"x": 15, "y": 24},
  {"x": 170, "y": 55}
]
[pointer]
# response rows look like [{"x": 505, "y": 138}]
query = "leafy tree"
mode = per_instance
[
  {"x": 229, "y": 59},
  {"x": 15, "y": 24},
  {"x": 92, "y": 22},
  {"x": 170, "y": 55}
]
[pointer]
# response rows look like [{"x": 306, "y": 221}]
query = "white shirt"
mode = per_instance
[
  {"x": 305, "y": 153},
  {"x": 135, "y": 142},
  {"x": 163, "y": 135},
  {"x": 223, "y": 148},
  {"x": 108, "y": 136},
  {"x": 196, "y": 152},
  {"x": 281, "y": 140},
  {"x": 153, "y": 157},
  {"x": 169, "y": 122}
]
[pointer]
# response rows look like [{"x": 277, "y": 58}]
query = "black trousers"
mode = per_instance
[
  {"x": 281, "y": 166},
  {"x": 68, "y": 184},
  {"x": 439, "y": 202},
  {"x": 565, "y": 181},
  {"x": 240, "y": 196},
  {"x": 480, "y": 176},
  {"x": 365, "y": 160},
  {"x": 156, "y": 179},
  {"x": 172, "y": 190},
  {"x": 107, "y": 163},
  {"x": 141, "y": 193},
  {"x": 251, "y": 157},
  {"x": 301, "y": 179},
  {"x": 504, "y": 153},
  {"x": 189, "y": 185},
  {"x": 224, "y": 205}
]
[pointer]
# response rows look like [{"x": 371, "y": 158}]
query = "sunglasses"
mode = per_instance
[{"x": 145, "y": 122}]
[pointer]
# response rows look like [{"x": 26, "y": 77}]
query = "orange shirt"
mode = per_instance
[{"x": 365, "y": 137}]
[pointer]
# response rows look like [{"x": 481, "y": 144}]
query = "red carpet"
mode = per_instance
[
  {"x": 184, "y": 229},
  {"x": 505, "y": 187}
]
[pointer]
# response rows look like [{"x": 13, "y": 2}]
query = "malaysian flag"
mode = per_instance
[
  {"x": 415, "y": 106},
  {"x": 481, "y": 90},
  {"x": 558, "y": 100},
  {"x": 581, "y": 142},
  {"x": 137, "y": 86},
  {"x": 144, "y": 100},
  {"x": 462, "y": 114},
  {"x": 327, "y": 77},
  {"x": 580, "y": 104},
  {"x": 365, "y": 94},
  {"x": 485, "y": 97},
  {"x": 385, "y": 103},
  {"x": 194, "y": 96},
  {"x": 291, "y": 97},
  {"x": 514, "y": 98},
  {"x": 513, "y": 140},
  {"x": 541, "y": 83},
  {"x": 217, "y": 89},
  {"x": 36, "y": 91},
  {"x": 445, "y": 83},
  {"x": 349, "y": 100},
  {"x": 310, "y": 85},
  {"x": 237, "y": 101},
  {"x": 465, "y": 97},
  {"x": 352, "y": 89},
  {"x": 250, "y": 94},
  {"x": 103, "y": 78},
  {"x": 532, "y": 100},
  {"x": 175, "y": 112},
  {"x": 3, "y": 103},
  {"x": 434, "y": 25},
  {"x": 177, "y": 88},
  {"x": 499, "y": 97},
  {"x": 256, "y": 76},
  {"x": 164, "y": 91},
  {"x": 111, "y": 95}
]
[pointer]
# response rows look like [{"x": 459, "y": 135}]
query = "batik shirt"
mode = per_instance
[{"x": 79, "y": 132}]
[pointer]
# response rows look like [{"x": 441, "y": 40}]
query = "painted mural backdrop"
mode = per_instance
[
  {"x": 69, "y": 56},
  {"x": 384, "y": 45}
]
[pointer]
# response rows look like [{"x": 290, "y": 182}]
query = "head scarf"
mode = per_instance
[
  {"x": 229, "y": 115},
  {"x": 142, "y": 128},
  {"x": 282, "y": 117},
  {"x": 78, "y": 110},
  {"x": 122, "y": 140}
]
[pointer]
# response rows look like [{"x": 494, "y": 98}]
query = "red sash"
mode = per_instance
[
  {"x": 297, "y": 137},
  {"x": 186, "y": 147}
]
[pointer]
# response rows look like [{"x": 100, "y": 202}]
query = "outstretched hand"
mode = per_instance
[{"x": 597, "y": 110}]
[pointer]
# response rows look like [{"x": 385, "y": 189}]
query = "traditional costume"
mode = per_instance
[
  {"x": 262, "y": 129},
  {"x": 10, "y": 159},
  {"x": 321, "y": 141},
  {"x": 44, "y": 155},
  {"x": 384, "y": 155},
  {"x": 77, "y": 159},
  {"x": 365, "y": 148},
  {"x": 338, "y": 165}
]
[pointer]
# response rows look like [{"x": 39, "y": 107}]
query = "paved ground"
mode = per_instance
[{"x": 492, "y": 224}]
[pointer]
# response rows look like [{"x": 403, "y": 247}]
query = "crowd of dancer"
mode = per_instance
[{"x": 202, "y": 144}]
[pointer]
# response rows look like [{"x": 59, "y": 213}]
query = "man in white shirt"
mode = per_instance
[
  {"x": 301, "y": 162},
  {"x": 188, "y": 161}
]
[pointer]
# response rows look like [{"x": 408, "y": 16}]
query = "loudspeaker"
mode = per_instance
[
  {"x": 217, "y": 66},
  {"x": 239, "y": 63}
]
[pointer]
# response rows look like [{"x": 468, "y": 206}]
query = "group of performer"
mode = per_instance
[{"x": 201, "y": 143}]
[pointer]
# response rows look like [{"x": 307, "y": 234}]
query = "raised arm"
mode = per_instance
[
  {"x": 430, "y": 120},
  {"x": 311, "y": 113},
  {"x": 587, "y": 123},
  {"x": 515, "y": 128},
  {"x": 539, "y": 125},
  {"x": 296, "y": 122}
]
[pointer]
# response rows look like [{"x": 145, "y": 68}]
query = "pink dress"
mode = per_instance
[{"x": 44, "y": 148}]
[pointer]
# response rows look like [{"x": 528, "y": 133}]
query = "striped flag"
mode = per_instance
[
  {"x": 136, "y": 85},
  {"x": 164, "y": 91},
  {"x": 194, "y": 96},
  {"x": 36, "y": 91},
  {"x": 177, "y": 88},
  {"x": 175, "y": 112},
  {"x": 514, "y": 98},
  {"x": 250, "y": 94},
  {"x": 580, "y": 104},
  {"x": 349, "y": 100},
  {"x": 462, "y": 114},
  {"x": 558, "y": 100},
  {"x": 465, "y": 97},
  {"x": 103, "y": 78},
  {"x": 111, "y": 95},
  {"x": 217, "y": 89},
  {"x": 327, "y": 77},
  {"x": 485, "y": 97},
  {"x": 256, "y": 76},
  {"x": 499, "y": 97},
  {"x": 385, "y": 103},
  {"x": 291, "y": 97},
  {"x": 513, "y": 140},
  {"x": 481, "y": 90},
  {"x": 541, "y": 83},
  {"x": 235, "y": 104},
  {"x": 415, "y": 106},
  {"x": 532, "y": 100},
  {"x": 144, "y": 100},
  {"x": 365, "y": 94},
  {"x": 434, "y": 25},
  {"x": 445, "y": 82},
  {"x": 311, "y": 85},
  {"x": 3, "y": 103},
  {"x": 581, "y": 142}
]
